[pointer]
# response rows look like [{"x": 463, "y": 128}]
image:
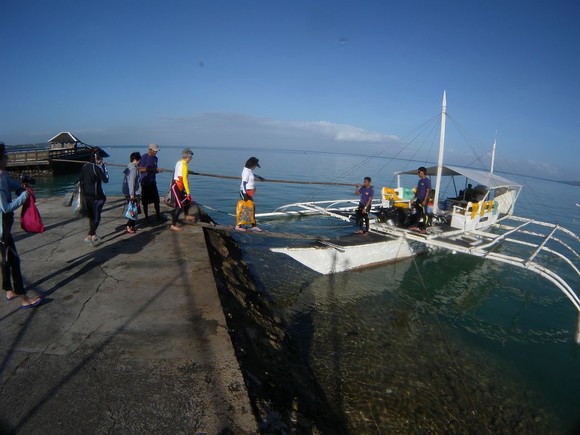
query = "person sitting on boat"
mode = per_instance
[
  {"x": 469, "y": 192},
  {"x": 422, "y": 198},
  {"x": 366, "y": 193}
]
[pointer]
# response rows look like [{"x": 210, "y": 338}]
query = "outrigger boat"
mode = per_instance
[{"x": 482, "y": 225}]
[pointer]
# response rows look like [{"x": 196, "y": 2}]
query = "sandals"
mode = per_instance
[{"x": 31, "y": 304}]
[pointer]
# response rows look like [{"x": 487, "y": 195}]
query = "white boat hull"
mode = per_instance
[{"x": 335, "y": 258}]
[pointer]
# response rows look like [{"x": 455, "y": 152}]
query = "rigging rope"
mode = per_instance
[
  {"x": 229, "y": 177},
  {"x": 405, "y": 145},
  {"x": 417, "y": 132}
]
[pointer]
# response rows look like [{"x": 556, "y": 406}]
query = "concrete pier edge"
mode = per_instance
[{"x": 131, "y": 337}]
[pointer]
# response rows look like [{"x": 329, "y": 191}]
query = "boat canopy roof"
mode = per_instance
[{"x": 484, "y": 178}]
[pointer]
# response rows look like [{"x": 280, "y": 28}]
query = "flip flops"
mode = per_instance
[{"x": 33, "y": 305}]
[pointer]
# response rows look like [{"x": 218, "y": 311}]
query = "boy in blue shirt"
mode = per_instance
[
  {"x": 423, "y": 190},
  {"x": 366, "y": 193}
]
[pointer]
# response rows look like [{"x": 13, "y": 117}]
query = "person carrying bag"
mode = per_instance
[
  {"x": 132, "y": 191},
  {"x": 30, "y": 219},
  {"x": 180, "y": 188},
  {"x": 12, "y": 282}
]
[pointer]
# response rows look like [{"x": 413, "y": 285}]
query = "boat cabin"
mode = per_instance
[{"x": 476, "y": 207}]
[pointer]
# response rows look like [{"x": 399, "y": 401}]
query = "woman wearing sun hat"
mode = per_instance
[{"x": 93, "y": 175}]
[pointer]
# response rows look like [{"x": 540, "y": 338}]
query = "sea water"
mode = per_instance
[{"x": 422, "y": 338}]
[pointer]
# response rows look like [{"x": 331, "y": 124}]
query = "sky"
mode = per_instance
[{"x": 335, "y": 75}]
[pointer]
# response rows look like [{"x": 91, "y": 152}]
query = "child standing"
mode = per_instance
[{"x": 132, "y": 187}]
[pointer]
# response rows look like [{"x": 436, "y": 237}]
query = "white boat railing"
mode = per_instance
[{"x": 498, "y": 233}]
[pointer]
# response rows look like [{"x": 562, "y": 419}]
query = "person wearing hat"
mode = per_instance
[
  {"x": 12, "y": 282},
  {"x": 93, "y": 175},
  {"x": 149, "y": 194},
  {"x": 180, "y": 188},
  {"x": 248, "y": 188}
]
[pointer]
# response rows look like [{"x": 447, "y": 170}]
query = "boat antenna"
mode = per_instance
[
  {"x": 440, "y": 159},
  {"x": 493, "y": 153}
]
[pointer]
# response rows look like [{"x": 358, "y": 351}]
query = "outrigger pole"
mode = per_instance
[
  {"x": 440, "y": 159},
  {"x": 231, "y": 177}
]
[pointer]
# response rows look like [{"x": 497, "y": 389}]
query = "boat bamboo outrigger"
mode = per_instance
[{"x": 481, "y": 224}]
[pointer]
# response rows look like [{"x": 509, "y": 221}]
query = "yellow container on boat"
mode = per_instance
[
  {"x": 391, "y": 195},
  {"x": 474, "y": 209}
]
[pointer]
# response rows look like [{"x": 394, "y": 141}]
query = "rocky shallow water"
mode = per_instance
[{"x": 439, "y": 389}]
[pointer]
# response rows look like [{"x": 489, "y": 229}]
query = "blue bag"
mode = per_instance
[{"x": 132, "y": 211}]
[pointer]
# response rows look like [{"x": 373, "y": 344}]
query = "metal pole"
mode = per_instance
[{"x": 440, "y": 159}]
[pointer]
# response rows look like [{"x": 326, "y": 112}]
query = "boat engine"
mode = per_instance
[{"x": 396, "y": 216}]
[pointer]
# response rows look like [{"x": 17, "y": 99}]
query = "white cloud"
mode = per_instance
[
  {"x": 239, "y": 130},
  {"x": 340, "y": 132},
  {"x": 224, "y": 129}
]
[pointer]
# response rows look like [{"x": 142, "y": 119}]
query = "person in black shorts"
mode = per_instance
[
  {"x": 422, "y": 199},
  {"x": 149, "y": 194}
]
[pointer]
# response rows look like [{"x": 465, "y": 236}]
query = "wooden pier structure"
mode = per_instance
[{"x": 51, "y": 157}]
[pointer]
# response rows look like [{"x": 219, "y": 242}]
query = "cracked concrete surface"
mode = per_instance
[{"x": 131, "y": 337}]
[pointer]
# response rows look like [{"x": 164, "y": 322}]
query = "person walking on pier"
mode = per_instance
[
  {"x": 248, "y": 190},
  {"x": 149, "y": 193},
  {"x": 132, "y": 187},
  {"x": 12, "y": 282},
  {"x": 93, "y": 175},
  {"x": 180, "y": 188}
]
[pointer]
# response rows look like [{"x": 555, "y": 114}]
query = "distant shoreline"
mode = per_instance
[{"x": 301, "y": 151}]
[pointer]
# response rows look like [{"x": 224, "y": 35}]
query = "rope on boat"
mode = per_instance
[{"x": 229, "y": 177}]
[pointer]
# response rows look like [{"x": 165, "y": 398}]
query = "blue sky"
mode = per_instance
[{"x": 331, "y": 75}]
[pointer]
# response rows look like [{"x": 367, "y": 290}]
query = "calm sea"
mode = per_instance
[{"x": 434, "y": 336}]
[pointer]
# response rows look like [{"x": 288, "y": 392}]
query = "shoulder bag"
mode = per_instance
[{"x": 30, "y": 219}]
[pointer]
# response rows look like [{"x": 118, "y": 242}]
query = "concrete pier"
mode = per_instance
[{"x": 131, "y": 337}]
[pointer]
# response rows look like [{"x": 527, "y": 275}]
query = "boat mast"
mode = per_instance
[
  {"x": 493, "y": 153},
  {"x": 440, "y": 159}
]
